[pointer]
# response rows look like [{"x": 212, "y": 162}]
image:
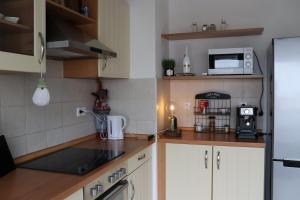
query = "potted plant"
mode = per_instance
[{"x": 168, "y": 67}]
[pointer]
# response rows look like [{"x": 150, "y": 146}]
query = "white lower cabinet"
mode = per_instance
[
  {"x": 140, "y": 184},
  {"x": 238, "y": 173},
  {"x": 188, "y": 172},
  {"x": 203, "y": 172},
  {"x": 76, "y": 195},
  {"x": 140, "y": 175}
]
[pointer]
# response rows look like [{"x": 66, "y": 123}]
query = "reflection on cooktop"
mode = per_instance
[{"x": 72, "y": 160}]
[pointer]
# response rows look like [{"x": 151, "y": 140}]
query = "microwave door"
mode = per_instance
[
  {"x": 226, "y": 64},
  {"x": 220, "y": 61}
]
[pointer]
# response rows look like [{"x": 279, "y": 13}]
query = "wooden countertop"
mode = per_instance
[
  {"x": 28, "y": 184},
  {"x": 190, "y": 137}
]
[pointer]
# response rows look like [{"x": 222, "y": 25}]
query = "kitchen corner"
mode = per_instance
[{"x": 149, "y": 100}]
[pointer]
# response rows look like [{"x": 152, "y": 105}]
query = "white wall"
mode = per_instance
[
  {"x": 162, "y": 26},
  {"x": 278, "y": 17},
  {"x": 142, "y": 38}
]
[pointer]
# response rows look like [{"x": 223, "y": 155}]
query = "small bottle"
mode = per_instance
[
  {"x": 194, "y": 27},
  {"x": 224, "y": 24},
  {"x": 204, "y": 27},
  {"x": 186, "y": 62},
  {"x": 212, "y": 124}
]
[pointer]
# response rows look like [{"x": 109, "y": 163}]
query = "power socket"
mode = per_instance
[
  {"x": 81, "y": 111},
  {"x": 187, "y": 105}
]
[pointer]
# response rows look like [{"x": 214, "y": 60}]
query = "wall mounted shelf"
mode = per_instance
[
  {"x": 213, "y": 34},
  {"x": 59, "y": 11},
  {"x": 201, "y": 77},
  {"x": 7, "y": 26}
]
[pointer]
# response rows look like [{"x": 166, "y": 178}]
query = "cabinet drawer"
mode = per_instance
[{"x": 139, "y": 158}]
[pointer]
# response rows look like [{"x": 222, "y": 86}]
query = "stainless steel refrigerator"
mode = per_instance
[{"x": 284, "y": 124}]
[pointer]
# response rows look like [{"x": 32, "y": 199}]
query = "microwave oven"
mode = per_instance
[{"x": 230, "y": 61}]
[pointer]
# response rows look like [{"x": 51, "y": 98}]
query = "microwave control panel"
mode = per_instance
[{"x": 248, "y": 60}]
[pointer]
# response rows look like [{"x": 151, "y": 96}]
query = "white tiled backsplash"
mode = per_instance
[
  {"x": 135, "y": 99},
  {"x": 30, "y": 128},
  {"x": 241, "y": 91}
]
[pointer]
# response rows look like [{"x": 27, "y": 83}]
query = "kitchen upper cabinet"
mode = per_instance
[
  {"x": 238, "y": 173},
  {"x": 22, "y": 44},
  {"x": 188, "y": 172},
  {"x": 113, "y": 31},
  {"x": 140, "y": 184}
]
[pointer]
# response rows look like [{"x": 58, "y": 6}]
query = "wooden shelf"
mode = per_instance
[
  {"x": 59, "y": 11},
  {"x": 6, "y": 26},
  {"x": 201, "y": 77},
  {"x": 213, "y": 34}
]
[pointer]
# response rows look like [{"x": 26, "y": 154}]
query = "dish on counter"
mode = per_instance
[{"x": 14, "y": 20}]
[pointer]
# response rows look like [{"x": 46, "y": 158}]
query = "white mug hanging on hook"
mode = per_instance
[
  {"x": 186, "y": 62},
  {"x": 116, "y": 125}
]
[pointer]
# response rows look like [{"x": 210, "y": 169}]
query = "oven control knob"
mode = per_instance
[
  {"x": 93, "y": 192},
  {"x": 99, "y": 188},
  {"x": 111, "y": 179},
  {"x": 120, "y": 173},
  {"x": 116, "y": 175},
  {"x": 123, "y": 171},
  {"x": 248, "y": 56},
  {"x": 248, "y": 64}
]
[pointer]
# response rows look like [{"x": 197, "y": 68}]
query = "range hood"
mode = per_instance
[{"x": 65, "y": 41}]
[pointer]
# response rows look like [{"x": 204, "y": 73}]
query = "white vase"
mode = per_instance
[{"x": 186, "y": 62}]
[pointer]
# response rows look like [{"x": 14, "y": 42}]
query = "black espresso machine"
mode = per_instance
[{"x": 246, "y": 122}]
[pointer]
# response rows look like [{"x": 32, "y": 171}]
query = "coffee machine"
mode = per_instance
[{"x": 246, "y": 122}]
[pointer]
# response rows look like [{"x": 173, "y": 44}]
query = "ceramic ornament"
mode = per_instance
[{"x": 41, "y": 95}]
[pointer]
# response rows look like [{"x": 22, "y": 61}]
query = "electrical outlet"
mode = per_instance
[
  {"x": 187, "y": 105},
  {"x": 243, "y": 103},
  {"x": 81, "y": 111}
]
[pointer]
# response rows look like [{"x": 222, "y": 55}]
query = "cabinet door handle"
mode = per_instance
[
  {"x": 141, "y": 157},
  {"x": 42, "y": 55},
  {"x": 206, "y": 159},
  {"x": 218, "y": 160},
  {"x": 133, "y": 190},
  {"x": 104, "y": 63}
]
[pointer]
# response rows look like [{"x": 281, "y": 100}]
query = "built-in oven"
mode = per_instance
[
  {"x": 111, "y": 185},
  {"x": 118, "y": 192},
  {"x": 230, "y": 61}
]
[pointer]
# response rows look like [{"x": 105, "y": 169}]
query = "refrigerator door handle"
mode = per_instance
[{"x": 289, "y": 162}]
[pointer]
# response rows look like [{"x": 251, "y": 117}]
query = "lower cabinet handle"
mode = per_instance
[
  {"x": 133, "y": 190},
  {"x": 218, "y": 160},
  {"x": 206, "y": 159},
  {"x": 141, "y": 157}
]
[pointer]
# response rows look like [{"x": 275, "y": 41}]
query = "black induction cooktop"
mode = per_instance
[{"x": 78, "y": 161}]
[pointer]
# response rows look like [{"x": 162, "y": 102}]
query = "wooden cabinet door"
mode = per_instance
[
  {"x": 113, "y": 30},
  {"x": 21, "y": 43},
  {"x": 140, "y": 183},
  {"x": 76, "y": 195},
  {"x": 188, "y": 172},
  {"x": 238, "y": 173}
]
